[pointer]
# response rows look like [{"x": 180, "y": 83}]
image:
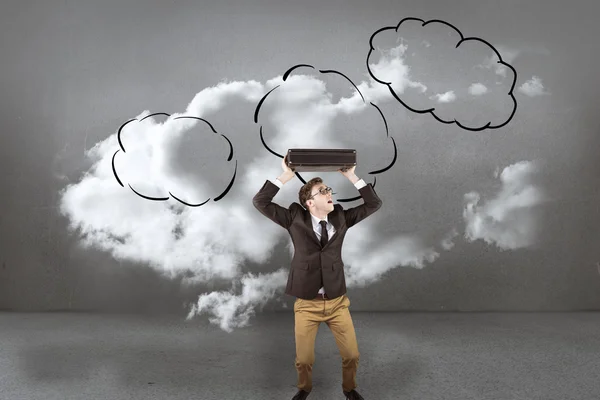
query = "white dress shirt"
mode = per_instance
[{"x": 315, "y": 221}]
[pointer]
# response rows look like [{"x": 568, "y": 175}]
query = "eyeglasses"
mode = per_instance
[{"x": 322, "y": 191}]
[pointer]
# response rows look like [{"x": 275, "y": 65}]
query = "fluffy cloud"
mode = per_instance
[
  {"x": 368, "y": 258},
  {"x": 533, "y": 87},
  {"x": 233, "y": 310},
  {"x": 491, "y": 62},
  {"x": 444, "y": 97},
  {"x": 448, "y": 242},
  {"x": 168, "y": 236},
  {"x": 477, "y": 89},
  {"x": 507, "y": 220}
]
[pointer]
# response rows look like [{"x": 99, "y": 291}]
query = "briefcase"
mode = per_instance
[{"x": 320, "y": 160}]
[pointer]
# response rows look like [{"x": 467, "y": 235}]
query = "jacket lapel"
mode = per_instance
[{"x": 332, "y": 217}]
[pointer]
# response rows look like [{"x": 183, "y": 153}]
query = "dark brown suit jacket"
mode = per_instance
[{"x": 310, "y": 261}]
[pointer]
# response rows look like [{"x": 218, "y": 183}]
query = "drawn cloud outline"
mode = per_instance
[
  {"x": 122, "y": 148},
  {"x": 431, "y": 110},
  {"x": 329, "y": 71}
]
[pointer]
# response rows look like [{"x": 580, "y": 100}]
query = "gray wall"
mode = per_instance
[{"x": 72, "y": 72}]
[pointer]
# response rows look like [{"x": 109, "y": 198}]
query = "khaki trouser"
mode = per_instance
[{"x": 335, "y": 313}]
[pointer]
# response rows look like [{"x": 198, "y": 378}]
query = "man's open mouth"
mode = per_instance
[{"x": 330, "y": 201}]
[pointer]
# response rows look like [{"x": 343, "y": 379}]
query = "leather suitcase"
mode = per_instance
[{"x": 320, "y": 160}]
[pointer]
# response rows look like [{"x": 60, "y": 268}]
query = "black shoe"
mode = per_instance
[
  {"x": 301, "y": 395},
  {"x": 353, "y": 395}
]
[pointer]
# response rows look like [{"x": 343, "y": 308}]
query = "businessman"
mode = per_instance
[{"x": 317, "y": 227}]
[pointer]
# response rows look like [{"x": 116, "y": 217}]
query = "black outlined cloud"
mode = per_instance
[
  {"x": 165, "y": 197},
  {"x": 446, "y": 96},
  {"x": 375, "y": 108}
]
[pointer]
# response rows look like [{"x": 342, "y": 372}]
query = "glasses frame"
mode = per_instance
[{"x": 326, "y": 189}]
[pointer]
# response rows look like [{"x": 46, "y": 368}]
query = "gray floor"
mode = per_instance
[{"x": 403, "y": 356}]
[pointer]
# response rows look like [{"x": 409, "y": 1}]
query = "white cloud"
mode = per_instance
[
  {"x": 231, "y": 310},
  {"x": 508, "y": 56},
  {"x": 417, "y": 85},
  {"x": 507, "y": 220},
  {"x": 114, "y": 219},
  {"x": 447, "y": 243},
  {"x": 367, "y": 257},
  {"x": 446, "y": 97},
  {"x": 477, "y": 89},
  {"x": 392, "y": 68},
  {"x": 533, "y": 87}
]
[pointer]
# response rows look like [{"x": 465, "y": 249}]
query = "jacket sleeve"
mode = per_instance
[
  {"x": 262, "y": 201},
  {"x": 372, "y": 203}
]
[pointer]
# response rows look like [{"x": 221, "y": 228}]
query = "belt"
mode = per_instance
[{"x": 321, "y": 296}]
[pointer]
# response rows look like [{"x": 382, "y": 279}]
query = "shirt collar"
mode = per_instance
[{"x": 317, "y": 220}]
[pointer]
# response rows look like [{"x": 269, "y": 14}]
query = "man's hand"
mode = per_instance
[
  {"x": 348, "y": 173},
  {"x": 288, "y": 173},
  {"x": 285, "y": 167}
]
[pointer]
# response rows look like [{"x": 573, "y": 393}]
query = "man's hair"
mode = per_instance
[{"x": 306, "y": 190}]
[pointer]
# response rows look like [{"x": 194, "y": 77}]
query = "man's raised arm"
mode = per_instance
[
  {"x": 372, "y": 202},
  {"x": 262, "y": 201}
]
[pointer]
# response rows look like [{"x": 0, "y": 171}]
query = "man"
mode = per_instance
[{"x": 316, "y": 278}]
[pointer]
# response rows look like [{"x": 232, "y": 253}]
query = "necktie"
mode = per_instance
[{"x": 324, "y": 237}]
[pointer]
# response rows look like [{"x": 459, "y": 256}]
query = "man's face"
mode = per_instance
[{"x": 321, "y": 198}]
